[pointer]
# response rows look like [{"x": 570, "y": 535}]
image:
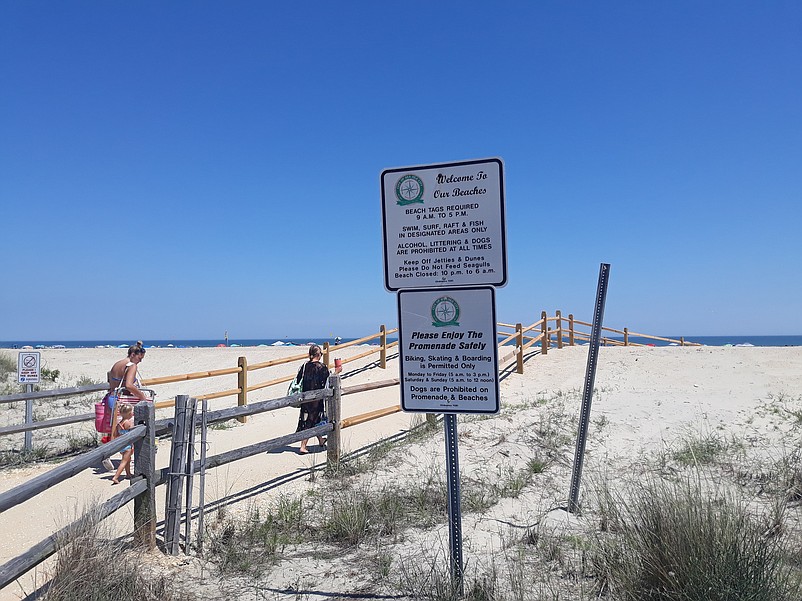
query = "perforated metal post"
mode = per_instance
[
  {"x": 587, "y": 393},
  {"x": 28, "y": 418},
  {"x": 454, "y": 500}
]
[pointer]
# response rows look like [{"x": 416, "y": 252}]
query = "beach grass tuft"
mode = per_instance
[
  {"x": 14, "y": 458},
  {"x": 91, "y": 566},
  {"x": 685, "y": 540},
  {"x": 8, "y": 365}
]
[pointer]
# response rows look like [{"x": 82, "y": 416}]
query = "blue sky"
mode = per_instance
[{"x": 175, "y": 170}]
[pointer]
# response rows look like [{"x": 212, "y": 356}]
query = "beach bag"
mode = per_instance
[
  {"x": 104, "y": 410},
  {"x": 103, "y": 417},
  {"x": 297, "y": 387}
]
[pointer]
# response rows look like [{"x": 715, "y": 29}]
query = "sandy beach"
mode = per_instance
[{"x": 646, "y": 400}]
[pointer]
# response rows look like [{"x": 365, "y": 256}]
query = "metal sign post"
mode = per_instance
[
  {"x": 29, "y": 373},
  {"x": 587, "y": 393},
  {"x": 454, "y": 500},
  {"x": 29, "y": 418}
]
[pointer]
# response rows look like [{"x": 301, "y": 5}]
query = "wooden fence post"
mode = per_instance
[
  {"x": 559, "y": 329},
  {"x": 571, "y": 329},
  {"x": 175, "y": 479},
  {"x": 145, "y": 467},
  {"x": 682, "y": 340},
  {"x": 383, "y": 352},
  {"x": 242, "y": 384},
  {"x": 192, "y": 411},
  {"x": 326, "y": 354},
  {"x": 626, "y": 336},
  {"x": 334, "y": 405},
  {"x": 519, "y": 343},
  {"x": 431, "y": 419},
  {"x": 544, "y": 333},
  {"x": 202, "y": 476}
]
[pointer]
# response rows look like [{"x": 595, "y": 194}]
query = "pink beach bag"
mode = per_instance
[{"x": 103, "y": 417}]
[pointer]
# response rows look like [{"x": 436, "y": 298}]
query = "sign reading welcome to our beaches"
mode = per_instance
[
  {"x": 447, "y": 342},
  {"x": 444, "y": 225}
]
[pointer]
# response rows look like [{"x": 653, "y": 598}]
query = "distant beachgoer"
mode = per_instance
[
  {"x": 123, "y": 372},
  {"x": 314, "y": 375},
  {"x": 118, "y": 429}
]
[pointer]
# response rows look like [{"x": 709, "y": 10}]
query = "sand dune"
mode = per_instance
[{"x": 646, "y": 399}]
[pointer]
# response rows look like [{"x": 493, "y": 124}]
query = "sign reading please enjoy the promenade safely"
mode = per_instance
[
  {"x": 444, "y": 225},
  {"x": 447, "y": 346}
]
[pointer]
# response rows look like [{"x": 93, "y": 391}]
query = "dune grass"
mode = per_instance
[
  {"x": 8, "y": 365},
  {"x": 92, "y": 566},
  {"x": 686, "y": 540},
  {"x": 690, "y": 528}
]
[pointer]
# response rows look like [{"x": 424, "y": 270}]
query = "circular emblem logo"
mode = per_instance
[
  {"x": 445, "y": 312},
  {"x": 409, "y": 189}
]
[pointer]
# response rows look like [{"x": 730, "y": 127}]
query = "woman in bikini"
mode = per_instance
[{"x": 124, "y": 371}]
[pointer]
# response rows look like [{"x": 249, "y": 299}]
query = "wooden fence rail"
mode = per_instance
[
  {"x": 143, "y": 435},
  {"x": 564, "y": 330}
]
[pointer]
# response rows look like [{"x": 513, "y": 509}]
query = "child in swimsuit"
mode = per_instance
[{"x": 125, "y": 424}]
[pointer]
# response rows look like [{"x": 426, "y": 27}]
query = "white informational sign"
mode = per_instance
[
  {"x": 444, "y": 225},
  {"x": 28, "y": 367},
  {"x": 449, "y": 358}
]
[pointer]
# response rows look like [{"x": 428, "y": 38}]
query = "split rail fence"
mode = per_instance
[
  {"x": 548, "y": 332},
  {"x": 541, "y": 335}
]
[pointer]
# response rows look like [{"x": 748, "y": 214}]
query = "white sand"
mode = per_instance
[{"x": 646, "y": 398}]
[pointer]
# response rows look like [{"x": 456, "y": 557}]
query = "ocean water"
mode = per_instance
[
  {"x": 174, "y": 343},
  {"x": 734, "y": 340}
]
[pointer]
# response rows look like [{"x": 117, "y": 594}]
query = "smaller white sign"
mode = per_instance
[
  {"x": 449, "y": 358},
  {"x": 28, "y": 367}
]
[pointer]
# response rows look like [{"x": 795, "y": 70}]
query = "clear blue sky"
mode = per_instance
[{"x": 178, "y": 169}]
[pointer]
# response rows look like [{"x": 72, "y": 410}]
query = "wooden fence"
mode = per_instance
[
  {"x": 141, "y": 492},
  {"x": 559, "y": 331},
  {"x": 548, "y": 332},
  {"x": 241, "y": 391},
  {"x": 182, "y": 465}
]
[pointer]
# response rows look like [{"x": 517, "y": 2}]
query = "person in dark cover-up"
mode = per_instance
[{"x": 314, "y": 375}]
